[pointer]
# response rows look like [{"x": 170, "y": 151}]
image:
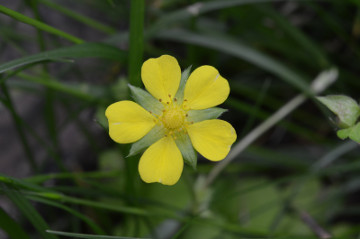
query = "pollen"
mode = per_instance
[{"x": 173, "y": 118}]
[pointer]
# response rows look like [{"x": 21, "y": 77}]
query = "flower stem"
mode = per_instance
[{"x": 136, "y": 41}]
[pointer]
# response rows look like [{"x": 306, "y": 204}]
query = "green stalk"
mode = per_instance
[
  {"x": 17, "y": 121},
  {"x": 49, "y": 111},
  {"x": 136, "y": 48},
  {"x": 136, "y": 41},
  {"x": 39, "y": 25}
]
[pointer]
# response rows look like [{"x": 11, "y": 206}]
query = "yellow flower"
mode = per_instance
[{"x": 176, "y": 118}]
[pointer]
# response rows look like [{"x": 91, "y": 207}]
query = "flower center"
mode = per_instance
[{"x": 173, "y": 118}]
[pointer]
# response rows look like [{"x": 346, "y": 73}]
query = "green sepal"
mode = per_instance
[
  {"x": 352, "y": 132},
  {"x": 344, "y": 133},
  {"x": 154, "y": 135},
  {"x": 200, "y": 115},
  {"x": 184, "y": 77},
  {"x": 146, "y": 100},
  {"x": 184, "y": 144},
  {"x": 355, "y": 133},
  {"x": 344, "y": 107}
]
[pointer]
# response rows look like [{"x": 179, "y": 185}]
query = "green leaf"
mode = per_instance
[
  {"x": 344, "y": 107},
  {"x": 180, "y": 93},
  {"x": 344, "y": 133},
  {"x": 85, "y": 50},
  {"x": 355, "y": 133},
  {"x": 146, "y": 100},
  {"x": 11, "y": 227},
  {"x": 87, "y": 236},
  {"x": 185, "y": 146},
  {"x": 200, "y": 115},
  {"x": 154, "y": 135}
]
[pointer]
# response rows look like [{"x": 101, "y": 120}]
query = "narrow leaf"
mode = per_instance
[
  {"x": 28, "y": 210},
  {"x": 39, "y": 25},
  {"x": 85, "y": 50},
  {"x": 88, "y": 236},
  {"x": 11, "y": 227}
]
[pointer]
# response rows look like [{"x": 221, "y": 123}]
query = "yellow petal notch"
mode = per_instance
[
  {"x": 212, "y": 138},
  {"x": 205, "y": 88},
  {"x": 161, "y": 162},
  {"x": 161, "y": 77},
  {"x": 128, "y": 121}
]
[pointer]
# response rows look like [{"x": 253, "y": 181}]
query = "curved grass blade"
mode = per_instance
[
  {"x": 85, "y": 50},
  {"x": 83, "y": 217},
  {"x": 239, "y": 50},
  {"x": 11, "y": 227},
  {"x": 199, "y": 8},
  {"x": 88, "y": 236},
  {"x": 39, "y": 25},
  {"x": 78, "y": 17},
  {"x": 28, "y": 210}
]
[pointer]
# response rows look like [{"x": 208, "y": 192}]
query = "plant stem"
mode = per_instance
[
  {"x": 321, "y": 82},
  {"x": 136, "y": 41}
]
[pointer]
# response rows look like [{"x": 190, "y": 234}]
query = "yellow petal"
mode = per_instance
[
  {"x": 205, "y": 88},
  {"x": 161, "y": 162},
  {"x": 212, "y": 138},
  {"x": 128, "y": 121},
  {"x": 161, "y": 76}
]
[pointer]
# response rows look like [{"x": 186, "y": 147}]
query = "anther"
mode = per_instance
[
  {"x": 186, "y": 115},
  {"x": 169, "y": 96},
  {"x": 160, "y": 100},
  {"x": 168, "y": 102},
  {"x": 185, "y": 100},
  {"x": 175, "y": 99}
]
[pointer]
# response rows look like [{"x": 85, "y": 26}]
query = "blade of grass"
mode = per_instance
[
  {"x": 49, "y": 109},
  {"x": 28, "y": 210},
  {"x": 136, "y": 40},
  {"x": 77, "y": 214},
  {"x": 297, "y": 35},
  {"x": 19, "y": 127},
  {"x": 60, "y": 87},
  {"x": 197, "y": 9},
  {"x": 85, "y": 50},
  {"x": 78, "y": 17},
  {"x": 88, "y": 236},
  {"x": 39, "y": 25},
  {"x": 11, "y": 227},
  {"x": 237, "y": 49}
]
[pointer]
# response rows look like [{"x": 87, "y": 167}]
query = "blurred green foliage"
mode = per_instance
[{"x": 77, "y": 57}]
